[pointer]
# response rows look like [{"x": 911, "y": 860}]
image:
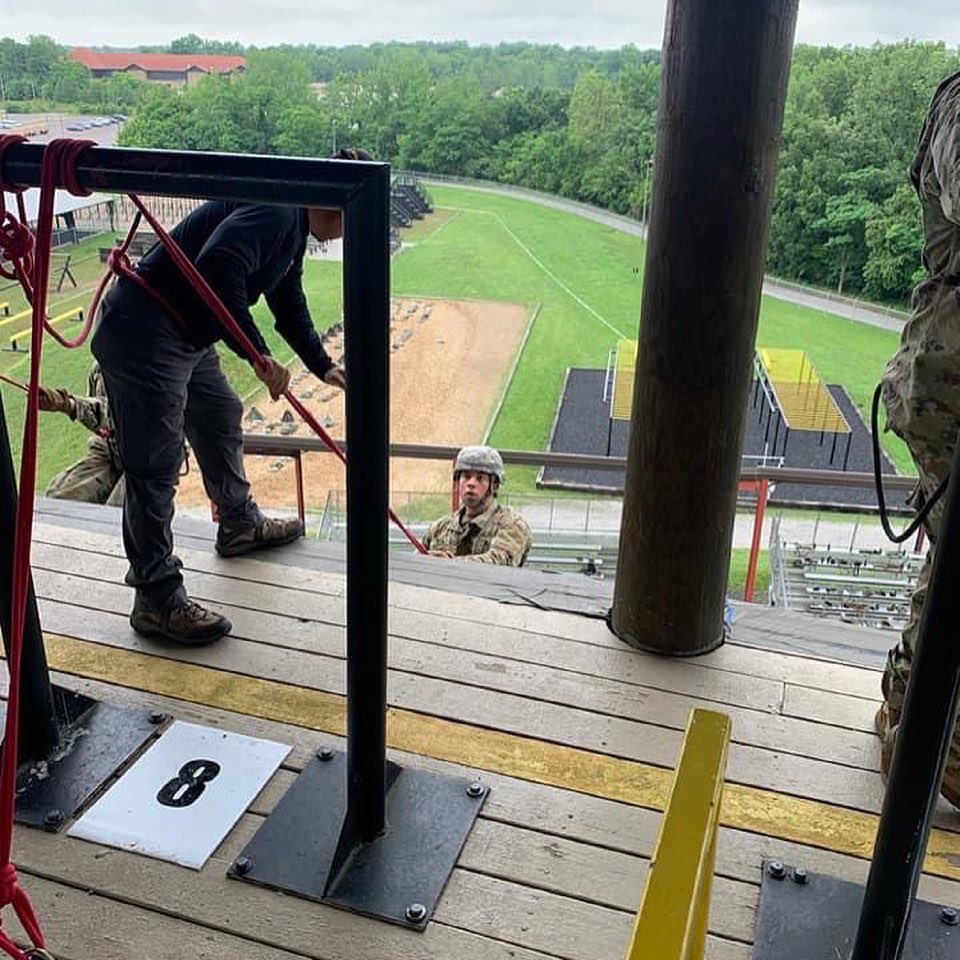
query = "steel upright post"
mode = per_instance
[{"x": 366, "y": 296}]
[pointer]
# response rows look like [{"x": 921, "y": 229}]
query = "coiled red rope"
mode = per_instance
[
  {"x": 18, "y": 243},
  {"x": 16, "y": 238}
]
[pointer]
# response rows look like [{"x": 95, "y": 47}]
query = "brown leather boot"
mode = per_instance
[
  {"x": 235, "y": 539},
  {"x": 184, "y": 622}
]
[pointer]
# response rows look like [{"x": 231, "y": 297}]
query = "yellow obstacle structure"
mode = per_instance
[
  {"x": 74, "y": 313},
  {"x": 672, "y": 920}
]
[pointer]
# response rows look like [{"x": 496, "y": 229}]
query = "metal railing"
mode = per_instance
[
  {"x": 285, "y": 446},
  {"x": 361, "y": 192}
]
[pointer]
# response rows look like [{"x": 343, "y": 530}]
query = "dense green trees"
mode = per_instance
[
  {"x": 38, "y": 71},
  {"x": 25, "y": 67},
  {"x": 845, "y": 215},
  {"x": 580, "y": 123}
]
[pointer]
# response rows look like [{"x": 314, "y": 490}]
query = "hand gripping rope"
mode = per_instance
[{"x": 31, "y": 266}]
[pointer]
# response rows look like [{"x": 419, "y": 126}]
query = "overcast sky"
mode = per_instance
[{"x": 600, "y": 23}]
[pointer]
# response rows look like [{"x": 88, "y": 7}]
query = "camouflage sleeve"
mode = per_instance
[
  {"x": 92, "y": 413},
  {"x": 509, "y": 547},
  {"x": 439, "y": 540},
  {"x": 945, "y": 153}
]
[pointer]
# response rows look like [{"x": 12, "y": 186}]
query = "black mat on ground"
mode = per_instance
[{"x": 584, "y": 426}]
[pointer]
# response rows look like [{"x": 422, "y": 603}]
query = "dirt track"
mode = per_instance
[{"x": 448, "y": 363}]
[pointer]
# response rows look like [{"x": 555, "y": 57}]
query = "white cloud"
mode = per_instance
[{"x": 605, "y": 23}]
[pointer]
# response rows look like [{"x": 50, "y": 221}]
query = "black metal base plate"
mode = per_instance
[
  {"x": 817, "y": 920},
  {"x": 97, "y": 739},
  {"x": 397, "y": 877}
]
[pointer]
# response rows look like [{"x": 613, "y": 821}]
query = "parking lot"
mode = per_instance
[{"x": 43, "y": 127}]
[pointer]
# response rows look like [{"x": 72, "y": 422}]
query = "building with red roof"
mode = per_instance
[{"x": 172, "y": 69}]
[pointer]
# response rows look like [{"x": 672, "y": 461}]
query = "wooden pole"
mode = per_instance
[{"x": 724, "y": 79}]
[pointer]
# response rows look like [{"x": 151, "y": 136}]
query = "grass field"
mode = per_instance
[
  {"x": 582, "y": 274},
  {"x": 737, "y": 577},
  {"x": 586, "y": 277}
]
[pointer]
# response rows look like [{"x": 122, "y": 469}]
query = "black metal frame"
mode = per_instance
[
  {"x": 804, "y": 915},
  {"x": 361, "y": 191},
  {"x": 923, "y": 741}
]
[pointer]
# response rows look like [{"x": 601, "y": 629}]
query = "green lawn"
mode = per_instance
[
  {"x": 582, "y": 274},
  {"x": 737, "y": 577},
  {"x": 587, "y": 279},
  {"x": 478, "y": 253}
]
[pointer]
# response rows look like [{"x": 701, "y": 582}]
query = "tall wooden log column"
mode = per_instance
[{"x": 724, "y": 79}]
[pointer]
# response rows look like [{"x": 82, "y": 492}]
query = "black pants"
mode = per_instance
[{"x": 161, "y": 387}]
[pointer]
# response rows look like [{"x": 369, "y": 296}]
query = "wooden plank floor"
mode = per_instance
[{"x": 574, "y": 733}]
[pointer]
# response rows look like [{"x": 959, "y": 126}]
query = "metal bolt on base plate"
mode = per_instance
[{"x": 416, "y": 912}]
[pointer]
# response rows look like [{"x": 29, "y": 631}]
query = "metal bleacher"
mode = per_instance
[
  {"x": 870, "y": 588},
  {"x": 408, "y": 201}
]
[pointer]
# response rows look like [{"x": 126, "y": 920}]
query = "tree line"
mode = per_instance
[{"x": 579, "y": 123}]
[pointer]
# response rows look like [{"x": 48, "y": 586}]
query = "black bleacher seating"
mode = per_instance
[{"x": 408, "y": 201}]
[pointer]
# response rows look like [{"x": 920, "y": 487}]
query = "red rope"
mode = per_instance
[
  {"x": 16, "y": 238},
  {"x": 233, "y": 328},
  {"x": 18, "y": 243},
  {"x": 58, "y": 161},
  {"x": 65, "y": 158}
]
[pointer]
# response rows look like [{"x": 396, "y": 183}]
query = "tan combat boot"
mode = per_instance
[
  {"x": 234, "y": 539},
  {"x": 184, "y": 622}
]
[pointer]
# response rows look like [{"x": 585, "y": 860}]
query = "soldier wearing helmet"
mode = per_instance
[{"x": 482, "y": 530}]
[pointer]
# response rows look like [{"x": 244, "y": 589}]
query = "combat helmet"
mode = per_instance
[{"x": 483, "y": 459}]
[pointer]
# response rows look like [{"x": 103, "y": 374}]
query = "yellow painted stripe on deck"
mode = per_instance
[{"x": 809, "y": 822}]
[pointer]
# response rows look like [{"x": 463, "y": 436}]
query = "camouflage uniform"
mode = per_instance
[
  {"x": 98, "y": 477},
  {"x": 498, "y": 535},
  {"x": 921, "y": 385}
]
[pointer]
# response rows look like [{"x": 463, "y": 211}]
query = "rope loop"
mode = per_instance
[
  {"x": 17, "y": 246},
  {"x": 9, "y": 884}
]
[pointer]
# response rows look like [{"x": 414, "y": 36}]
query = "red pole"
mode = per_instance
[
  {"x": 298, "y": 467},
  {"x": 918, "y": 546},
  {"x": 763, "y": 490}
]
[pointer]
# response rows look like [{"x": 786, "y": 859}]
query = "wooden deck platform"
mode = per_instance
[{"x": 575, "y": 734}]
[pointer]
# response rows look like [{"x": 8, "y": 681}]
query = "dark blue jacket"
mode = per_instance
[{"x": 244, "y": 251}]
